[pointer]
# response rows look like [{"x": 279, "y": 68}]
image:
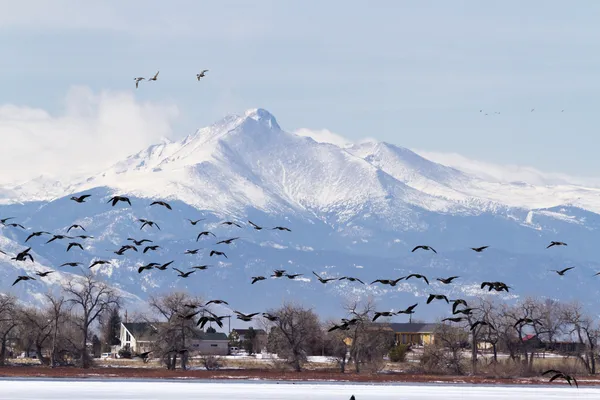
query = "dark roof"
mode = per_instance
[
  {"x": 245, "y": 331},
  {"x": 213, "y": 336},
  {"x": 412, "y": 327},
  {"x": 145, "y": 331}
]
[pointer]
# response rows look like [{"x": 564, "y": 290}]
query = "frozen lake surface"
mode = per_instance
[{"x": 37, "y": 389}]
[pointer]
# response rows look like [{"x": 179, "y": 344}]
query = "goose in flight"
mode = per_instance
[
  {"x": 201, "y": 267},
  {"x": 418, "y": 276},
  {"x": 196, "y": 221},
  {"x": 281, "y": 228},
  {"x": 481, "y": 323},
  {"x": 43, "y": 274},
  {"x": 80, "y": 199},
  {"x": 23, "y": 278},
  {"x": 58, "y": 237},
  {"x": 562, "y": 271},
  {"x": 227, "y": 241},
  {"x": 447, "y": 281},
  {"x": 84, "y": 237},
  {"x": 75, "y": 226},
  {"x": 151, "y": 248},
  {"x": 23, "y": 255},
  {"x": 527, "y": 321},
  {"x": 71, "y": 264},
  {"x": 201, "y": 74},
  {"x": 229, "y": 223},
  {"x": 256, "y": 227},
  {"x": 383, "y": 314},
  {"x": 161, "y": 203},
  {"x": 293, "y": 276},
  {"x": 454, "y": 319},
  {"x": 139, "y": 242},
  {"x": 149, "y": 223},
  {"x": 189, "y": 316},
  {"x": 194, "y": 251},
  {"x": 437, "y": 297},
  {"x": 15, "y": 225},
  {"x": 137, "y": 81},
  {"x": 184, "y": 274},
  {"x": 351, "y": 279},
  {"x": 561, "y": 375},
  {"x": 124, "y": 248},
  {"x": 270, "y": 317},
  {"x": 553, "y": 243},
  {"x": 99, "y": 262},
  {"x": 211, "y": 318},
  {"x": 257, "y": 278},
  {"x": 278, "y": 273},
  {"x": 464, "y": 311},
  {"x": 3, "y": 220},
  {"x": 36, "y": 234},
  {"x": 391, "y": 282},
  {"x": 479, "y": 249},
  {"x": 205, "y": 233},
  {"x": 497, "y": 286},
  {"x": 217, "y": 253},
  {"x": 245, "y": 317},
  {"x": 147, "y": 267},
  {"x": 216, "y": 302},
  {"x": 74, "y": 244},
  {"x": 323, "y": 280},
  {"x": 155, "y": 77},
  {"x": 164, "y": 266},
  {"x": 456, "y": 303},
  {"x": 424, "y": 248},
  {"x": 408, "y": 310},
  {"x": 116, "y": 199}
]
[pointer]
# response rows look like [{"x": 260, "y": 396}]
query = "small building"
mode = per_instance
[
  {"x": 138, "y": 336},
  {"x": 419, "y": 334},
  {"x": 210, "y": 343}
]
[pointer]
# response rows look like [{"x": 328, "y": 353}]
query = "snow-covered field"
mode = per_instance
[{"x": 35, "y": 389}]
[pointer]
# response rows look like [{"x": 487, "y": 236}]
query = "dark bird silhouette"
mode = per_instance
[
  {"x": 35, "y": 234},
  {"x": 481, "y": 323},
  {"x": 497, "y": 286},
  {"x": 58, "y": 237},
  {"x": 447, "y": 280},
  {"x": 116, "y": 199},
  {"x": 149, "y": 223},
  {"x": 201, "y": 74},
  {"x": 2, "y": 252},
  {"x": 164, "y": 266},
  {"x": 245, "y": 317},
  {"x": 323, "y": 280},
  {"x": 281, "y": 228},
  {"x": 154, "y": 78},
  {"x": 553, "y": 243},
  {"x": 188, "y": 316},
  {"x": 437, "y": 297},
  {"x": 23, "y": 278},
  {"x": 216, "y": 302},
  {"x": 391, "y": 282},
  {"x": 201, "y": 267},
  {"x": 3, "y": 220},
  {"x": 196, "y": 221},
  {"x": 124, "y": 248},
  {"x": 293, "y": 276},
  {"x": 80, "y": 199},
  {"x": 464, "y": 311},
  {"x": 217, "y": 253},
  {"x": 527, "y": 321},
  {"x": 137, "y": 81},
  {"x": 71, "y": 264},
  {"x": 75, "y": 226},
  {"x": 15, "y": 225},
  {"x": 23, "y": 255},
  {"x": 194, "y": 251},
  {"x": 161, "y": 203},
  {"x": 351, "y": 279},
  {"x": 456, "y": 303},
  {"x": 562, "y": 271},
  {"x": 230, "y": 223},
  {"x": 184, "y": 274},
  {"x": 382, "y": 314},
  {"x": 418, "y": 276},
  {"x": 278, "y": 273},
  {"x": 479, "y": 249},
  {"x": 424, "y": 248},
  {"x": 139, "y": 242},
  {"x": 99, "y": 262},
  {"x": 342, "y": 327},
  {"x": 147, "y": 267},
  {"x": 227, "y": 241},
  {"x": 270, "y": 317},
  {"x": 561, "y": 375},
  {"x": 43, "y": 274},
  {"x": 211, "y": 318},
  {"x": 258, "y": 228},
  {"x": 150, "y": 248},
  {"x": 84, "y": 237},
  {"x": 408, "y": 310},
  {"x": 454, "y": 319},
  {"x": 257, "y": 278},
  {"x": 205, "y": 233},
  {"x": 74, "y": 244}
]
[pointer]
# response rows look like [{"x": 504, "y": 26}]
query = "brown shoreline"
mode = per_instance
[{"x": 271, "y": 375}]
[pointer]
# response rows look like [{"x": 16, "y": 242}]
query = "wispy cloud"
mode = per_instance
[{"x": 94, "y": 131}]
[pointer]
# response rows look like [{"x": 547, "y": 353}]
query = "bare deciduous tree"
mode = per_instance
[{"x": 8, "y": 322}]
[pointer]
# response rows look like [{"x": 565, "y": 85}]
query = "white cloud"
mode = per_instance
[
  {"x": 505, "y": 173},
  {"x": 324, "y": 136},
  {"x": 95, "y": 131}
]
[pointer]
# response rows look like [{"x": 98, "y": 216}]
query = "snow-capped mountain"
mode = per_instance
[{"x": 354, "y": 210}]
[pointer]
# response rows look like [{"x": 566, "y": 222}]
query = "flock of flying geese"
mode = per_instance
[
  {"x": 460, "y": 308},
  {"x": 155, "y": 77}
]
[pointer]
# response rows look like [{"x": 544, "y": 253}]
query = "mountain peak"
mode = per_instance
[{"x": 263, "y": 117}]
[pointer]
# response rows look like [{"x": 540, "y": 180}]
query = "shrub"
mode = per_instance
[
  {"x": 124, "y": 353},
  {"x": 398, "y": 353}
]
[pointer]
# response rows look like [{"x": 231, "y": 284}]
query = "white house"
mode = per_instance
[{"x": 138, "y": 336}]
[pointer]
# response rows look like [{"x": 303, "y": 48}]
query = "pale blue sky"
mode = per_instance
[{"x": 412, "y": 73}]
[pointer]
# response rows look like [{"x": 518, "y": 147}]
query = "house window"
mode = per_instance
[
  {"x": 127, "y": 337},
  {"x": 214, "y": 345}
]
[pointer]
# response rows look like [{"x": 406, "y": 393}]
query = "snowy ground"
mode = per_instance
[{"x": 36, "y": 389}]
